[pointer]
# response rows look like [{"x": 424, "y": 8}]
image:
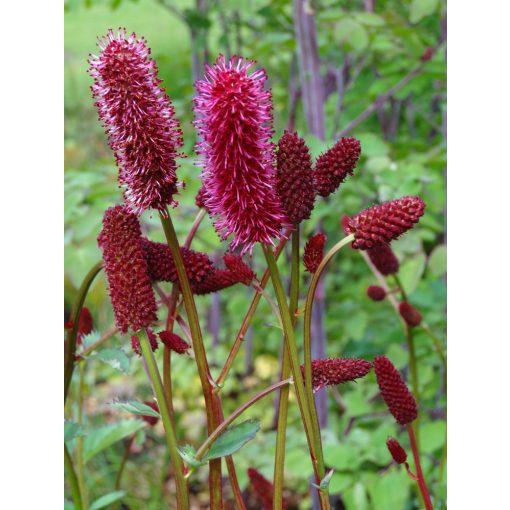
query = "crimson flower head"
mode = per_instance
[
  {"x": 294, "y": 181},
  {"x": 139, "y": 120},
  {"x": 234, "y": 121},
  {"x": 314, "y": 252},
  {"x": 237, "y": 266},
  {"x": 397, "y": 452},
  {"x": 330, "y": 372},
  {"x": 411, "y": 316},
  {"x": 162, "y": 268},
  {"x": 85, "y": 324},
  {"x": 384, "y": 222},
  {"x": 173, "y": 342},
  {"x": 383, "y": 258},
  {"x": 263, "y": 489},
  {"x": 333, "y": 167},
  {"x": 218, "y": 279},
  {"x": 394, "y": 391},
  {"x": 151, "y": 420},
  {"x": 129, "y": 285},
  {"x": 376, "y": 293}
]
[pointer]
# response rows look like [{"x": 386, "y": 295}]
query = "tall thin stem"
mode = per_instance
[
  {"x": 283, "y": 404},
  {"x": 200, "y": 355},
  {"x": 419, "y": 473},
  {"x": 71, "y": 337},
  {"x": 290, "y": 343},
  {"x": 307, "y": 338},
  {"x": 73, "y": 480},
  {"x": 80, "y": 463},
  {"x": 157, "y": 385}
]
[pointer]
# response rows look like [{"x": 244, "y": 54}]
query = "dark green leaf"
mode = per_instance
[
  {"x": 136, "y": 408},
  {"x": 233, "y": 439},
  {"x": 107, "y": 499}
]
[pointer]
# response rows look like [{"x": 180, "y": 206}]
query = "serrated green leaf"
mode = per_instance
[
  {"x": 116, "y": 358},
  {"x": 72, "y": 430},
  {"x": 107, "y": 499},
  {"x": 91, "y": 338},
  {"x": 437, "y": 261},
  {"x": 138, "y": 408},
  {"x": 99, "y": 439},
  {"x": 233, "y": 439},
  {"x": 187, "y": 452}
]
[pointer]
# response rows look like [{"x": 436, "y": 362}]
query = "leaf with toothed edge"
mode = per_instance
[
  {"x": 233, "y": 439},
  {"x": 136, "y": 408}
]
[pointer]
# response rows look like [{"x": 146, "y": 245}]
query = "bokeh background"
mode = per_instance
[{"x": 365, "y": 48}]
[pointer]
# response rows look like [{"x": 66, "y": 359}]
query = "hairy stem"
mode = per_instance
[
  {"x": 200, "y": 356},
  {"x": 73, "y": 480},
  {"x": 157, "y": 385},
  {"x": 283, "y": 404},
  {"x": 75, "y": 317}
]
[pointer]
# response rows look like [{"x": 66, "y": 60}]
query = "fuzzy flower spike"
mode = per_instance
[
  {"x": 234, "y": 120},
  {"x": 139, "y": 120}
]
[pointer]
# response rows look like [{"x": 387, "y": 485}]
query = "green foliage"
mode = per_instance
[
  {"x": 106, "y": 500},
  {"x": 134, "y": 407},
  {"x": 233, "y": 439}
]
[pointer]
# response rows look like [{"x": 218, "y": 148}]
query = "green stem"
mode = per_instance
[
  {"x": 200, "y": 356},
  {"x": 307, "y": 339},
  {"x": 73, "y": 480},
  {"x": 80, "y": 463},
  {"x": 159, "y": 392},
  {"x": 71, "y": 337},
  {"x": 290, "y": 342},
  {"x": 283, "y": 404}
]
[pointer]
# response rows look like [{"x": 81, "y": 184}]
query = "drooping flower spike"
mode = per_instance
[
  {"x": 411, "y": 316},
  {"x": 376, "y": 293},
  {"x": 314, "y": 252},
  {"x": 139, "y": 120},
  {"x": 215, "y": 281},
  {"x": 153, "y": 342},
  {"x": 162, "y": 267},
  {"x": 330, "y": 372},
  {"x": 263, "y": 489},
  {"x": 234, "y": 121},
  {"x": 383, "y": 258},
  {"x": 394, "y": 391},
  {"x": 236, "y": 265},
  {"x": 174, "y": 342},
  {"x": 125, "y": 265},
  {"x": 384, "y": 222},
  {"x": 294, "y": 180},
  {"x": 398, "y": 454},
  {"x": 333, "y": 167}
]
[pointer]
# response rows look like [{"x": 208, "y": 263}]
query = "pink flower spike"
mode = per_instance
[
  {"x": 234, "y": 121},
  {"x": 139, "y": 119}
]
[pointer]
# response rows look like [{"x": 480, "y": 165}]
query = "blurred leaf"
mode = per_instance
[
  {"x": 116, "y": 358},
  {"x": 432, "y": 436},
  {"x": 196, "y": 19},
  {"x": 390, "y": 490},
  {"x": 68, "y": 505},
  {"x": 372, "y": 145},
  {"x": 421, "y": 8},
  {"x": 437, "y": 261},
  {"x": 370, "y": 19},
  {"x": 342, "y": 457},
  {"x": 72, "y": 430},
  {"x": 411, "y": 272},
  {"x": 107, "y": 499},
  {"x": 356, "y": 324},
  {"x": 135, "y": 407},
  {"x": 351, "y": 32},
  {"x": 233, "y": 439},
  {"x": 99, "y": 439}
]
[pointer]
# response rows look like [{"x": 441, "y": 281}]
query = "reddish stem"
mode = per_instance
[{"x": 421, "y": 480}]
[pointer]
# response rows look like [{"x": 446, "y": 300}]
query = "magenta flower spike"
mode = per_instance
[
  {"x": 139, "y": 119},
  {"x": 234, "y": 120}
]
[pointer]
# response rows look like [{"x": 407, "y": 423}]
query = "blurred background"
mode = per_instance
[{"x": 378, "y": 74}]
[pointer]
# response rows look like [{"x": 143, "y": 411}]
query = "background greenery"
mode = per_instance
[{"x": 403, "y": 152}]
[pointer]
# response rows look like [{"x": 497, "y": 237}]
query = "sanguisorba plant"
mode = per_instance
[{"x": 256, "y": 193}]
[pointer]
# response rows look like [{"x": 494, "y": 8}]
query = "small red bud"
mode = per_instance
[
  {"x": 409, "y": 313},
  {"x": 397, "y": 452},
  {"x": 376, "y": 293}
]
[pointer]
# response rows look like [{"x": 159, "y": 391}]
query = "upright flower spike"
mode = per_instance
[
  {"x": 330, "y": 372},
  {"x": 139, "y": 120},
  {"x": 411, "y": 316},
  {"x": 333, "y": 167},
  {"x": 294, "y": 181},
  {"x": 314, "y": 252},
  {"x": 162, "y": 267},
  {"x": 384, "y": 222},
  {"x": 174, "y": 342},
  {"x": 237, "y": 266},
  {"x": 129, "y": 285},
  {"x": 383, "y": 258},
  {"x": 394, "y": 391},
  {"x": 234, "y": 121},
  {"x": 398, "y": 454}
]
